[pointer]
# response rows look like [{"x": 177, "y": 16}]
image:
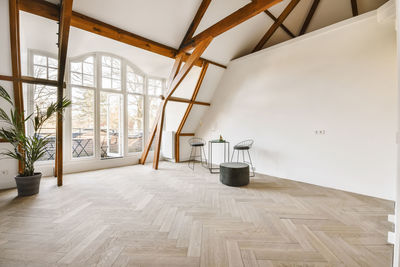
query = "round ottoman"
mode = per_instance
[{"x": 234, "y": 173}]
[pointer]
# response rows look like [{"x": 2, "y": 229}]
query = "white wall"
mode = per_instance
[
  {"x": 341, "y": 79},
  {"x": 8, "y": 167},
  {"x": 396, "y": 254}
]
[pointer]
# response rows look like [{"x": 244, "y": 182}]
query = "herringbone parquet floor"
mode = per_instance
[{"x": 135, "y": 216}]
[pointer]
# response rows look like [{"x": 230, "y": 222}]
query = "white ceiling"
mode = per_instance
[{"x": 166, "y": 22}]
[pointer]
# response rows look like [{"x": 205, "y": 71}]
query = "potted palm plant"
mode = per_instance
[{"x": 26, "y": 149}]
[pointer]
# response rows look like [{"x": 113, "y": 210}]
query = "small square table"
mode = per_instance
[{"x": 226, "y": 153}]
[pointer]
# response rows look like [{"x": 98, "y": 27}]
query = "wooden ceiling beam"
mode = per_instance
[
  {"x": 51, "y": 11},
  {"x": 276, "y": 25},
  {"x": 16, "y": 65},
  {"x": 173, "y": 86},
  {"x": 309, "y": 17},
  {"x": 283, "y": 27},
  {"x": 236, "y": 18},
  {"x": 187, "y": 112},
  {"x": 186, "y": 134},
  {"x": 63, "y": 37},
  {"x": 149, "y": 142},
  {"x": 196, "y": 21},
  {"x": 354, "y": 7},
  {"x": 184, "y": 100},
  {"x": 31, "y": 80}
]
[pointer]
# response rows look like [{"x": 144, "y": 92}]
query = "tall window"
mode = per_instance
[
  {"x": 111, "y": 106},
  {"x": 154, "y": 90},
  {"x": 41, "y": 96},
  {"x": 83, "y": 107},
  {"x": 135, "y": 94}
]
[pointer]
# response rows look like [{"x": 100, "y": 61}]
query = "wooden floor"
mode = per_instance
[{"x": 135, "y": 216}]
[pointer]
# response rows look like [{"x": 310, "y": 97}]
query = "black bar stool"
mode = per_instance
[
  {"x": 199, "y": 143},
  {"x": 244, "y": 146}
]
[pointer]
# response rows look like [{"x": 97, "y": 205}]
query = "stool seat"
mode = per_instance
[
  {"x": 234, "y": 173},
  {"x": 239, "y": 147},
  {"x": 197, "y": 144}
]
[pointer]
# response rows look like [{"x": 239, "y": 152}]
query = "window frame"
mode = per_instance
[
  {"x": 68, "y": 129},
  {"x": 29, "y": 92},
  {"x": 67, "y": 132}
]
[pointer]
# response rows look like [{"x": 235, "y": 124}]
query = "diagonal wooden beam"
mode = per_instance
[
  {"x": 184, "y": 100},
  {"x": 174, "y": 72},
  {"x": 64, "y": 27},
  {"x": 174, "y": 85},
  {"x": 80, "y": 21},
  {"x": 187, "y": 112},
  {"x": 354, "y": 7},
  {"x": 236, "y": 18},
  {"x": 16, "y": 63},
  {"x": 196, "y": 21},
  {"x": 275, "y": 26},
  {"x": 283, "y": 27},
  {"x": 309, "y": 17}
]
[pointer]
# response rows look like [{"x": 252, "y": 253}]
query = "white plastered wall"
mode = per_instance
[{"x": 341, "y": 79}]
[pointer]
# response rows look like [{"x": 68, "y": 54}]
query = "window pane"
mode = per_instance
[
  {"x": 88, "y": 68},
  {"x": 155, "y": 87},
  {"x": 76, "y": 67},
  {"x": 53, "y": 63},
  {"x": 106, "y": 61},
  {"x": 111, "y": 125},
  {"x": 151, "y": 90},
  {"x": 135, "y": 123},
  {"x": 88, "y": 80},
  {"x": 116, "y": 63},
  {"x": 116, "y": 84},
  {"x": 139, "y": 78},
  {"x": 40, "y": 72},
  {"x": 139, "y": 88},
  {"x": 106, "y": 72},
  {"x": 153, "y": 109},
  {"x": 39, "y": 60},
  {"x": 134, "y": 82},
  {"x": 89, "y": 60},
  {"x": 116, "y": 74},
  {"x": 82, "y": 122},
  {"x": 158, "y": 91},
  {"x": 43, "y": 96},
  {"x": 53, "y": 74},
  {"x": 76, "y": 78},
  {"x": 106, "y": 83}
]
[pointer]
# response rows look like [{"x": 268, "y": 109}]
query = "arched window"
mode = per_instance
[
  {"x": 114, "y": 105},
  {"x": 111, "y": 110}
]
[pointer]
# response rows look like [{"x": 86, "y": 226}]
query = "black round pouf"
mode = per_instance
[{"x": 234, "y": 173}]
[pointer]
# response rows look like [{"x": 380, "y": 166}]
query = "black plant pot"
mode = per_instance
[{"x": 28, "y": 185}]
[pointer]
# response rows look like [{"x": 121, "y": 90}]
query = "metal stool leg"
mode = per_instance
[
  {"x": 201, "y": 157},
  {"x": 191, "y": 158},
  {"x": 251, "y": 164},
  {"x": 233, "y": 153},
  {"x": 205, "y": 158}
]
